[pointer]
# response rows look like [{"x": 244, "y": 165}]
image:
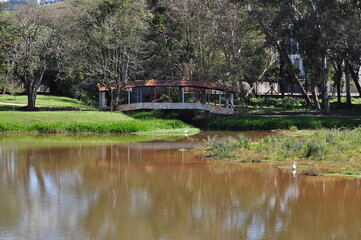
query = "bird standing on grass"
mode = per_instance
[{"x": 294, "y": 165}]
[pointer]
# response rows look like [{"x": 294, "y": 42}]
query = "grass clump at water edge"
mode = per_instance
[{"x": 321, "y": 152}]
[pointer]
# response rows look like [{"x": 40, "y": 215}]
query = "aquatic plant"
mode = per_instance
[{"x": 333, "y": 151}]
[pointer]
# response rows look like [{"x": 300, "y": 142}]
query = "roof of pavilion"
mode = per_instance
[{"x": 160, "y": 83}]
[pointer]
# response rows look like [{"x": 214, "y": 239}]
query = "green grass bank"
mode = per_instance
[
  {"x": 245, "y": 123},
  {"x": 319, "y": 152},
  {"x": 23, "y": 141},
  {"x": 88, "y": 121}
]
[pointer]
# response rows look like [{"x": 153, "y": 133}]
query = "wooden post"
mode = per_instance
[
  {"x": 214, "y": 98},
  {"x": 227, "y": 101},
  {"x": 165, "y": 94},
  {"x": 141, "y": 95},
  {"x": 155, "y": 94},
  {"x": 204, "y": 95},
  {"x": 169, "y": 99},
  {"x": 197, "y": 95}
]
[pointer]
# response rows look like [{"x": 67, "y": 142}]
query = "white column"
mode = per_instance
[
  {"x": 128, "y": 95},
  {"x": 182, "y": 94},
  {"x": 232, "y": 98}
]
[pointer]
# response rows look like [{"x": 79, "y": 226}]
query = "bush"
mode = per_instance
[{"x": 315, "y": 150}]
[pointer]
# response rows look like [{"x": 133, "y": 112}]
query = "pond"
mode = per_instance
[{"x": 161, "y": 189}]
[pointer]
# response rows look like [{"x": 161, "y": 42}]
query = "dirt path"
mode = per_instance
[{"x": 12, "y": 104}]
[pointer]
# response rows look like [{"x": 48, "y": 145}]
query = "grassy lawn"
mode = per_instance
[
  {"x": 62, "y": 116},
  {"x": 46, "y": 100},
  {"x": 294, "y": 106},
  {"x": 88, "y": 121},
  {"x": 284, "y": 122},
  {"x": 54, "y": 121}
]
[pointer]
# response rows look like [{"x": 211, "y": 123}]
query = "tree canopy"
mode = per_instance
[{"x": 224, "y": 41}]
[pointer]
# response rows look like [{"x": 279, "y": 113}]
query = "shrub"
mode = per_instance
[{"x": 315, "y": 150}]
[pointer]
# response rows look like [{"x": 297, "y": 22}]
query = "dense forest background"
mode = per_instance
[{"x": 71, "y": 46}]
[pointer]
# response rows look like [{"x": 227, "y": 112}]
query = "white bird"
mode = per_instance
[{"x": 294, "y": 165}]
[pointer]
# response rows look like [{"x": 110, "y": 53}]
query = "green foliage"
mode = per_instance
[
  {"x": 322, "y": 145},
  {"x": 226, "y": 148},
  {"x": 315, "y": 150},
  {"x": 293, "y": 128},
  {"x": 270, "y": 123}
]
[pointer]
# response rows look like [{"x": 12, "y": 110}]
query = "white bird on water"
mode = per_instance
[{"x": 294, "y": 165}]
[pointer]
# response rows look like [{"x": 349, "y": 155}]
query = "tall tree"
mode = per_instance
[
  {"x": 274, "y": 19},
  {"x": 31, "y": 51},
  {"x": 7, "y": 36},
  {"x": 109, "y": 38}
]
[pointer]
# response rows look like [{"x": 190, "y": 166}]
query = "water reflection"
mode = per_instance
[{"x": 159, "y": 190}]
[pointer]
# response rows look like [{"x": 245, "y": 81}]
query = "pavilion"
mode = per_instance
[{"x": 157, "y": 94}]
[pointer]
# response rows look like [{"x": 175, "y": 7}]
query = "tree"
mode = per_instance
[
  {"x": 274, "y": 19},
  {"x": 108, "y": 41},
  {"x": 7, "y": 37},
  {"x": 206, "y": 40},
  {"x": 30, "y": 52}
]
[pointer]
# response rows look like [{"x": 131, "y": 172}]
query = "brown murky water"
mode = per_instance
[{"x": 159, "y": 190}]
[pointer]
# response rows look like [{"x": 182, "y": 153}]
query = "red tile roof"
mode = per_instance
[{"x": 160, "y": 83}]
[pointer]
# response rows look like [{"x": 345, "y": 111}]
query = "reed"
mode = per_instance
[{"x": 327, "y": 151}]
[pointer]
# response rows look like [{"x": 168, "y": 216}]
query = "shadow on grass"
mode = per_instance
[{"x": 10, "y": 108}]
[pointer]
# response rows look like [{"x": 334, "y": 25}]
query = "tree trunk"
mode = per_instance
[
  {"x": 33, "y": 86},
  {"x": 115, "y": 101},
  {"x": 325, "y": 90},
  {"x": 354, "y": 76},
  {"x": 31, "y": 99},
  {"x": 282, "y": 50},
  {"x": 347, "y": 80},
  {"x": 315, "y": 94},
  {"x": 337, "y": 79}
]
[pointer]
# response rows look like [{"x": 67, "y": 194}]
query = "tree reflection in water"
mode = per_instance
[{"x": 163, "y": 192}]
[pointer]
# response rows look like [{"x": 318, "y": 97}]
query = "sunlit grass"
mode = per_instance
[
  {"x": 88, "y": 121},
  {"x": 62, "y": 116},
  {"x": 48, "y": 101}
]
